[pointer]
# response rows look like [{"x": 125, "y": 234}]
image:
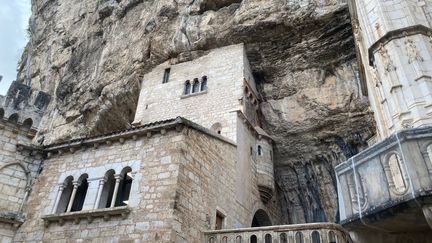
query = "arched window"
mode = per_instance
[
  {"x": 13, "y": 183},
  {"x": 259, "y": 150},
  {"x": 27, "y": 124},
  {"x": 268, "y": 238},
  {"x": 204, "y": 83},
  {"x": 396, "y": 173},
  {"x": 238, "y": 239},
  {"x": 80, "y": 195},
  {"x": 283, "y": 238},
  {"x": 224, "y": 239},
  {"x": 187, "y": 89},
  {"x": 332, "y": 237},
  {"x": 196, "y": 86},
  {"x": 108, "y": 190},
  {"x": 65, "y": 195},
  {"x": 1, "y": 113},
  {"x": 316, "y": 237},
  {"x": 253, "y": 239},
  {"x": 299, "y": 237},
  {"x": 13, "y": 118},
  {"x": 124, "y": 187}
]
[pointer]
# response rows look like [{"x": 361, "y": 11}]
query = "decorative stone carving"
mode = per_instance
[
  {"x": 412, "y": 51},
  {"x": 386, "y": 61}
]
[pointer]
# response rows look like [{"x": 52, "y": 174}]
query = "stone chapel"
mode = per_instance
[{"x": 196, "y": 165}]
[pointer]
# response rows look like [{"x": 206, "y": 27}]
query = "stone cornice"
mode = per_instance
[
  {"x": 397, "y": 34},
  {"x": 134, "y": 133}
]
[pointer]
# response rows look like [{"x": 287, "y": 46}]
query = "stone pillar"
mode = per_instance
[
  {"x": 118, "y": 178},
  {"x": 393, "y": 38},
  {"x": 99, "y": 193},
  {"x": 57, "y": 199},
  {"x": 72, "y": 198}
]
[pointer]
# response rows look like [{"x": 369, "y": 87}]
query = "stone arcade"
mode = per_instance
[{"x": 196, "y": 165}]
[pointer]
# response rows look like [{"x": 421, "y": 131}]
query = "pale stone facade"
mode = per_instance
[
  {"x": 394, "y": 42},
  {"x": 384, "y": 191},
  {"x": 165, "y": 179},
  {"x": 181, "y": 178}
]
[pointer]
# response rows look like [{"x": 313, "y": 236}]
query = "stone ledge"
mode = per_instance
[
  {"x": 193, "y": 94},
  {"x": 105, "y": 213},
  {"x": 14, "y": 218}
]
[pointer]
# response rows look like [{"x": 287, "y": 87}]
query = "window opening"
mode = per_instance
[
  {"x": 196, "y": 86},
  {"x": 259, "y": 150},
  {"x": 166, "y": 75},
  {"x": 65, "y": 195},
  {"x": 124, "y": 187},
  {"x": 80, "y": 195},
  {"x": 187, "y": 87},
  {"x": 219, "y": 220},
  {"x": 108, "y": 190},
  {"x": 204, "y": 83}
]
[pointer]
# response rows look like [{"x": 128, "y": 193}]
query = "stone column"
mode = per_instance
[
  {"x": 57, "y": 199},
  {"x": 72, "y": 198},
  {"x": 118, "y": 178},
  {"x": 99, "y": 193}
]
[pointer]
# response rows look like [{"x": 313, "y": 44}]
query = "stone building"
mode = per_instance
[{"x": 196, "y": 165}]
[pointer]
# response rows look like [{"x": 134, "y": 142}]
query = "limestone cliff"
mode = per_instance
[{"x": 90, "y": 55}]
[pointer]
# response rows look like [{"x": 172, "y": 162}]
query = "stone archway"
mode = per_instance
[{"x": 261, "y": 219}]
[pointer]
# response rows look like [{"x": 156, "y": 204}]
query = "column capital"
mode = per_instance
[
  {"x": 76, "y": 184},
  {"x": 118, "y": 176}
]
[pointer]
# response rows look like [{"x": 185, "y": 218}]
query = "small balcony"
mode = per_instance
[
  {"x": 388, "y": 187},
  {"x": 295, "y": 233}
]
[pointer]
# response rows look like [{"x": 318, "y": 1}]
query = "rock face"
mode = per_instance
[{"x": 90, "y": 55}]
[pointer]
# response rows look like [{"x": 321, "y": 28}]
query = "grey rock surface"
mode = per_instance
[{"x": 90, "y": 56}]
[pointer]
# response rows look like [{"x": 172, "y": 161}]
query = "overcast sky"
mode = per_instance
[{"x": 14, "y": 15}]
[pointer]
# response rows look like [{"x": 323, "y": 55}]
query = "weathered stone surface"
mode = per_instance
[{"x": 91, "y": 56}]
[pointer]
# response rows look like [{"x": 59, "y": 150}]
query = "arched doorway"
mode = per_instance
[{"x": 261, "y": 219}]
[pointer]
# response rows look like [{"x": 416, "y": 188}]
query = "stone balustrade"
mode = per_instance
[
  {"x": 389, "y": 185},
  {"x": 295, "y": 233}
]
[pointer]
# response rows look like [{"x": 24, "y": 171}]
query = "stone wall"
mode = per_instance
[
  {"x": 17, "y": 174},
  {"x": 208, "y": 183},
  {"x": 151, "y": 200},
  {"x": 224, "y": 69},
  {"x": 180, "y": 179}
]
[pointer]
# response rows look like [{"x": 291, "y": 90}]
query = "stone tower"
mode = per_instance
[{"x": 385, "y": 191}]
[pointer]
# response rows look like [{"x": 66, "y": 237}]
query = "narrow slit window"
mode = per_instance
[
  {"x": 259, "y": 150},
  {"x": 204, "y": 83},
  {"x": 166, "y": 75}
]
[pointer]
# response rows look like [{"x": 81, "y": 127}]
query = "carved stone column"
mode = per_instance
[
  {"x": 72, "y": 198},
  {"x": 57, "y": 200},
  {"x": 118, "y": 178},
  {"x": 99, "y": 193}
]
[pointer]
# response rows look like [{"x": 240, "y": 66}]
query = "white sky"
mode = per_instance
[{"x": 14, "y": 15}]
